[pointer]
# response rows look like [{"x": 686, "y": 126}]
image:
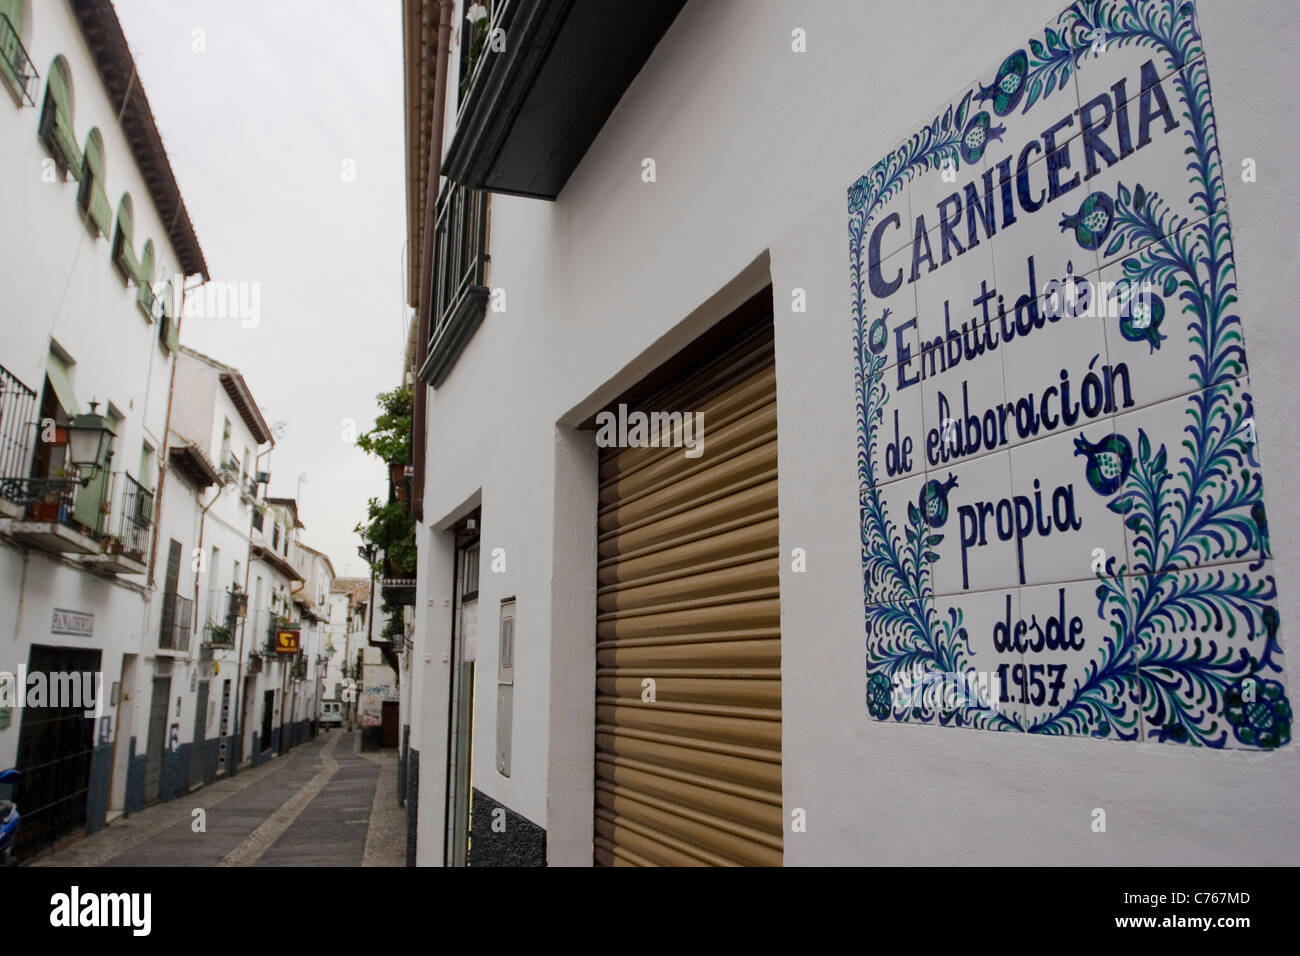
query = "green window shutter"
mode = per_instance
[
  {"x": 168, "y": 336},
  {"x": 93, "y": 200},
  {"x": 56, "y": 119},
  {"x": 144, "y": 295},
  {"x": 87, "y": 507},
  {"x": 57, "y": 372},
  {"x": 128, "y": 266}
]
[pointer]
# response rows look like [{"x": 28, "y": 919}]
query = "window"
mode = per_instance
[
  {"x": 91, "y": 197},
  {"x": 146, "y": 301},
  {"x": 56, "y": 119},
  {"x": 459, "y": 277},
  {"x": 16, "y": 68},
  {"x": 146, "y": 465},
  {"x": 124, "y": 258},
  {"x": 469, "y": 574}
]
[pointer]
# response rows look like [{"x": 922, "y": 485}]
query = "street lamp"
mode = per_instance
[{"x": 89, "y": 439}]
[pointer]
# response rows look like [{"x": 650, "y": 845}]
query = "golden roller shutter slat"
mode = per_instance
[
  {"x": 738, "y": 693},
  {"x": 699, "y": 555},
  {"x": 735, "y": 654},
  {"x": 742, "y": 614},
  {"x": 746, "y": 845},
  {"x": 688, "y": 595},
  {"x": 681, "y": 536},
  {"x": 705, "y": 485},
  {"x": 758, "y": 769},
  {"x": 691, "y": 588},
  {"x": 673, "y": 464},
  {"x": 747, "y": 812},
  {"x": 743, "y": 506},
  {"x": 718, "y": 414}
]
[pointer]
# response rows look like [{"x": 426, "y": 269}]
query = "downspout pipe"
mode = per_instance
[{"x": 425, "y": 312}]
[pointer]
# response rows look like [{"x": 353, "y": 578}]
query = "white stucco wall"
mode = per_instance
[
  {"x": 60, "y": 286},
  {"x": 755, "y": 147}
]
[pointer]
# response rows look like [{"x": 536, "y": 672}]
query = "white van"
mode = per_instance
[{"x": 331, "y": 713}]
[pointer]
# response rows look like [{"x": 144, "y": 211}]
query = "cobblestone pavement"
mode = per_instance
[{"x": 323, "y": 804}]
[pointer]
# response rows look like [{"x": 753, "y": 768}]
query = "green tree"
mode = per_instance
[
  {"x": 390, "y": 439},
  {"x": 391, "y": 529}
]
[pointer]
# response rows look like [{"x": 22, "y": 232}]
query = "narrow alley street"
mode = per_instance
[{"x": 324, "y": 803}]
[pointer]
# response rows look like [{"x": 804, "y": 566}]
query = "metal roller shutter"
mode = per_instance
[{"x": 688, "y": 595}]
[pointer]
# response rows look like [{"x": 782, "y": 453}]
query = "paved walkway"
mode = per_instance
[{"x": 322, "y": 804}]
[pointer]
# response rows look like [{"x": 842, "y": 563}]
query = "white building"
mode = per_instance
[
  {"x": 842, "y": 230},
  {"x": 219, "y": 447},
  {"x": 270, "y": 695},
  {"x": 347, "y": 637},
  {"x": 94, "y": 228},
  {"x": 313, "y": 601}
]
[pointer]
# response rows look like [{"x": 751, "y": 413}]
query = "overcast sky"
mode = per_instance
[{"x": 264, "y": 112}]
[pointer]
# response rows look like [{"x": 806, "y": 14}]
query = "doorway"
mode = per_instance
[
  {"x": 199, "y": 751},
  {"x": 268, "y": 715},
  {"x": 54, "y": 751},
  {"x": 157, "y": 741}
]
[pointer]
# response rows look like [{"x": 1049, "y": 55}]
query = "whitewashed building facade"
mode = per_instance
[{"x": 963, "y": 559}]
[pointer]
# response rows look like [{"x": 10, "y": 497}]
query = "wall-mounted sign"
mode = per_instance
[
  {"x": 77, "y": 623},
  {"x": 1062, "y": 513},
  {"x": 287, "y": 641}
]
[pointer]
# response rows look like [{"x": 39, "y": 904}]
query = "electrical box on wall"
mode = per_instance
[
  {"x": 505, "y": 685},
  {"x": 506, "y": 645}
]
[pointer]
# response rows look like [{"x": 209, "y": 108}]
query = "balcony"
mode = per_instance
[
  {"x": 225, "y": 609},
  {"x": 126, "y": 549},
  {"x": 396, "y": 588},
  {"x": 533, "y": 105},
  {"x": 177, "y": 623},
  {"x": 16, "y": 66},
  {"x": 49, "y": 515},
  {"x": 229, "y": 467},
  {"x": 459, "y": 269}
]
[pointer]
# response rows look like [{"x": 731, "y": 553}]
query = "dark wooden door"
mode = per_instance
[
  {"x": 391, "y": 718},
  {"x": 162, "y": 688},
  {"x": 54, "y": 750},
  {"x": 199, "y": 751}
]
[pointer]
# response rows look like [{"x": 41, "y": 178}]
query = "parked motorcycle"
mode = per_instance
[{"x": 8, "y": 816}]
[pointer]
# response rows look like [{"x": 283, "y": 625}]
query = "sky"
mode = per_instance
[{"x": 283, "y": 122}]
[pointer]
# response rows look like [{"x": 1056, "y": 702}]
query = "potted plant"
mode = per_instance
[
  {"x": 220, "y": 634},
  {"x": 52, "y": 505}
]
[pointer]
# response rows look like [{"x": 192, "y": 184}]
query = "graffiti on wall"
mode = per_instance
[{"x": 1061, "y": 501}]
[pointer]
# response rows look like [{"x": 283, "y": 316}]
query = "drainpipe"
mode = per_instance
[{"x": 424, "y": 315}]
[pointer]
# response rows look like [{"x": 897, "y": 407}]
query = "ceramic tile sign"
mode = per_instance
[{"x": 1061, "y": 502}]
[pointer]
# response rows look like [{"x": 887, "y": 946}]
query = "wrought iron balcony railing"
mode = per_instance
[
  {"x": 135, "y": 518},
  {"x": 15, "y": 65},
  {"x": 225, "y": 609},
  {"x": 17, "y": 415},
  {"x": 46, "y": 499},
  {"x": 177, "y": 623}
]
